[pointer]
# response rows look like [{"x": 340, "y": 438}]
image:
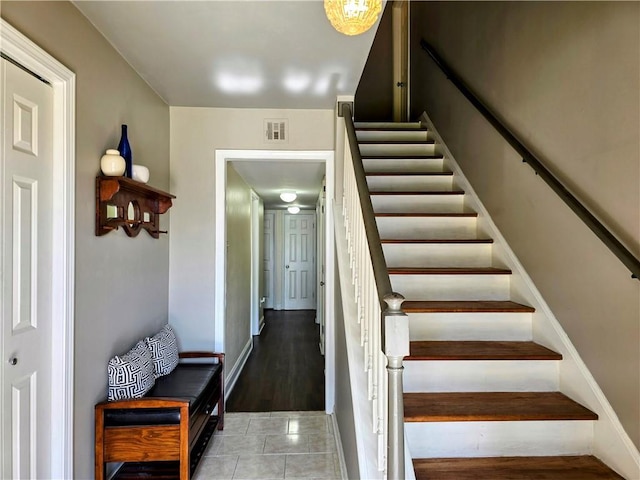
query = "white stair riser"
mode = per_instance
[
  {"x": 389, "y": 135},
  {"x": 437, "y": 254},
  {"x": 416, "y": 228},
  {"x": 418, "y": 203},
  {"x": 379, "y": 149},
  {"x": 480, "y": 376},
  {"x": 495, "y": 439},
  {"x": 471, "y": 326},
  {"x": 452, "y": 287},
  {"x": 403, "y": 165},
  {"x": 410, "y": 183}
]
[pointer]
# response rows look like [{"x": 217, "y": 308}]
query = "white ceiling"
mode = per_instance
[
  {"x": 236, "y": 54},
  {"x": 239, "y": 54},
  {"x": 269, "y": 179}
]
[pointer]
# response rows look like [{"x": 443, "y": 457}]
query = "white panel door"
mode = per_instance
[
  {"x": 299, "y": 262},
  {"x": 26, "y": 218},
  {"x": 269, "y": 257}
]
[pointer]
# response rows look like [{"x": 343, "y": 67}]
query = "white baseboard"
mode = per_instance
[
  {"x": 233, "y": 375},
  {"x": 338, "y": 439}
]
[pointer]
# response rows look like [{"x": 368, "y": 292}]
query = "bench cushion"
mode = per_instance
[{"x": 190, "y": 382}]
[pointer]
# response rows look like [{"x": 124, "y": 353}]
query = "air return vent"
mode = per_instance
[{"x": 276, "y": 130}]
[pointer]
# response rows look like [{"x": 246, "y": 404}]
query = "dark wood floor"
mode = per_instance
[{"x": 285, "y": 370}]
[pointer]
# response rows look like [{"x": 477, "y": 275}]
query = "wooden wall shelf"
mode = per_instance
[{"x": 123, "y": 202}]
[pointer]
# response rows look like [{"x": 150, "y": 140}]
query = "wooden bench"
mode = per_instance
[{"x": 173, "y": 422}]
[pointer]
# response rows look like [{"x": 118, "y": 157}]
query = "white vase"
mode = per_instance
[
  {"x": 112, "y": 164},
  {"x": 140, "y": 173}
]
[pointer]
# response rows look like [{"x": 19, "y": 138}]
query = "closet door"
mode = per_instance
[{"x": 299, "y": 259}]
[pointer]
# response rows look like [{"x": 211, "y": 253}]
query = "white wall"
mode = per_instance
[{"x": 196, "y": 133}]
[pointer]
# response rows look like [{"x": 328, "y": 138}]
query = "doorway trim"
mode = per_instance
[
  {"x": 63, "y": 82},
  {"x": 222, "y": 157},
  {"x": 255, "y": 264}
]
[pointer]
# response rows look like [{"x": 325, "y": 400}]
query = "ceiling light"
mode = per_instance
[
  {"x": 352, "y": 17},
  {"x": 288, "y": 196},
  {"x": 293, "y": 209}
]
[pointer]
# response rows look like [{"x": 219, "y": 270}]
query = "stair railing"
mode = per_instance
[
  {"x": 384, "y": 328},
  {"x": 602, "y": 232}
]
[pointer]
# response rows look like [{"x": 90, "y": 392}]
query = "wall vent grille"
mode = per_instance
[{"x": 276, "y": 130}]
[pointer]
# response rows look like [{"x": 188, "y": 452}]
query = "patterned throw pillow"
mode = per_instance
[
  {"x": 131, "y": 375},
  {"x": 164, "y": 351}
]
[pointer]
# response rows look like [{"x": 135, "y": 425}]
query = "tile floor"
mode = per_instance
[{"x": 272, "y": 445}]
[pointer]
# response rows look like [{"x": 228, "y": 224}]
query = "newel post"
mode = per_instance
[{"x": 396, "y": 347}]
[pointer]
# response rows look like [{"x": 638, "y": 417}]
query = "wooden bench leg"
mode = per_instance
[
  {"x": 99, "y": 445},
  {"x": 185, "y": 467}
]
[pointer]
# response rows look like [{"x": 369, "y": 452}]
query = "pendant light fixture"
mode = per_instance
[{"x": 352, "y": 17}]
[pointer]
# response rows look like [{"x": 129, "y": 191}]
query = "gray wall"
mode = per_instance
[
  {"x": 196, "y": 134},
  {"x": 344, "y": 401},
  {"x": 121, "y": 282},
  {"x": 238, "y": 275},
  {"x": 374, "y": 95},
  {"x": 565, "y": 77}
]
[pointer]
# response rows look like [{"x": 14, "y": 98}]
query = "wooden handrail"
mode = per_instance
[
  {"x": 383, "y": 283},
  {"x": 602, "y": 232}
]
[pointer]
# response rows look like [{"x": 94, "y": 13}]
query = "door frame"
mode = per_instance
[
  {"x": 256, "y": 264},
  {"x": 28, "y": 54},
  {"x": 222, "y": 157}
]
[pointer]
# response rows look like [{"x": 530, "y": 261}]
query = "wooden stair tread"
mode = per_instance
[
  {"x": 436, "y": 240},
  {"x": 492, "y": 406},
  {"x": 448, "y": 271},
  {"x": 427, "y": 215},
  {"x": 409, "y": 174},
  {"x": 480, "y": 350},
  {"x": 417, "y": 128},
  {"x": 455, "y": 306},
  {"x": 405, "y": 192},
  {"x": 402, "y": 157},
  {"x": 396, "y": 142},
  {"x": 582, "y": 467}
]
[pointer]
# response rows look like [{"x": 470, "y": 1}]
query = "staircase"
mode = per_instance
[{"x": 481, "y": 399}]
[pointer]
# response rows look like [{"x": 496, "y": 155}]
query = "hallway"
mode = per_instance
[
  {"x": 275, "y": 426},
  {"x": 285, "y": 371}
]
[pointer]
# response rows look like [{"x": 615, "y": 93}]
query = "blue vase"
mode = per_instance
[{"x": 125, "y": 151}]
